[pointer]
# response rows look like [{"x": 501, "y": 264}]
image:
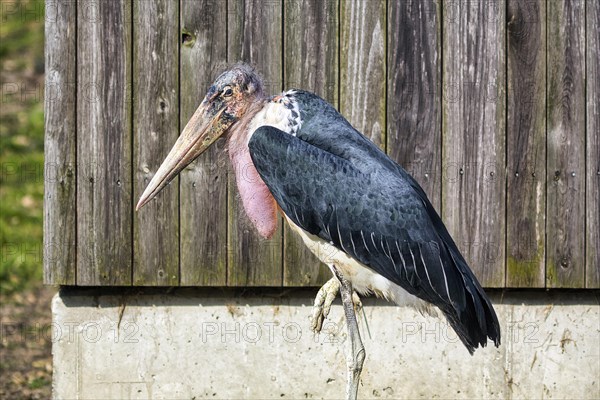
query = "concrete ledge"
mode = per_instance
[{"x": 217, "y": 344}]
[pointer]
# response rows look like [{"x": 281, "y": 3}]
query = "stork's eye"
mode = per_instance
[{"x": 227, "y": 91}]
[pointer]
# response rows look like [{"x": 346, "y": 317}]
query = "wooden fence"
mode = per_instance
[{"x": 493, "y": 106}]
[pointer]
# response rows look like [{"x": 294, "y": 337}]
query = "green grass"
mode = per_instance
[
  {"x": 38, "y": 383},
  {"x": 21, "y": 145}
]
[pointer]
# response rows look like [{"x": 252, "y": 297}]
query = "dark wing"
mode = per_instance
[{"x": 378, "y": 218}]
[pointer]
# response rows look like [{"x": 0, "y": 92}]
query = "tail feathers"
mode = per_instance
[
  {"x": 474, "y": 320},
  {"x": 478, "y": 321}
]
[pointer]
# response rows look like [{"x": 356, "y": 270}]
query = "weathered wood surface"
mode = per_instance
[
  {"x": 155, "y": 129},
  {"x": 491, "y": 105},
  {"x": 414, "y": 109},
  {"x": 592, "y": 212},
  {"x": 203, "y": 184},
  {"x": 60, "y": 209},
  {"x": 104, "y": 187},
  {"x": 363, "y": 66},
  {"x": 565, "y": 177},
  {"x": 473, "y": 184},
  {"x": 310, "y": 63},
  {"x": 526, "y": 144},
  {"x": 255, "y": 35}
]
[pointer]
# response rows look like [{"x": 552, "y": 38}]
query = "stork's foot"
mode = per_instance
[{"x": 323, "y": 301}]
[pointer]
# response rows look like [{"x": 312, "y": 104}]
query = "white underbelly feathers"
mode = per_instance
[{"x": 364, "y": 280}]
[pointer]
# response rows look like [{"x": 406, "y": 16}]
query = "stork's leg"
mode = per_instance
[
  {"x": 323, "y": 301},
  {"x": 356, "y": 356}
]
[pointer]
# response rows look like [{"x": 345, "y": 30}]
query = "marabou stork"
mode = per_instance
[{"x": 339, "y": 192}]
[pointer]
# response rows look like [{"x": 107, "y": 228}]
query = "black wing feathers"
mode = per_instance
[{"x": 378, "y": 214}]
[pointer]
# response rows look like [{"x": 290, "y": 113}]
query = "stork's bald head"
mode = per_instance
[
  {"x": 225, "y": 103},
  {"x": 241, "y": 78}
]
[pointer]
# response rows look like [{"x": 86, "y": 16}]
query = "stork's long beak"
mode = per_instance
[{"x": 200, "y": 132}]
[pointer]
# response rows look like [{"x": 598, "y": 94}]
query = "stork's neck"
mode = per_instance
[
  {"x": 240, "y": 132},
  {"x": 281, "y": 112},
  {"x": 259, "y": 204}
]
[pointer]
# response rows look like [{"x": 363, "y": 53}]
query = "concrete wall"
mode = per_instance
[{"x": 222, "y": 345}]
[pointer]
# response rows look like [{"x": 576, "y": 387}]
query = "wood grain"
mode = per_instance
[
  {"x": 491, "y": 105},
  {"x": 565, "y": 222},
  {"x": 60, "y": 215},
  {"x": 155, "y": 127},
  {"x": 473, "y": 132},
  {"x": 203, "y": 184},
  {"x": 363, "y": 65},
  {"x": 104, "y": 187},
  {"x": 310, "y": 63},
  {"x": 526, "y": 144},
  {"x": 592, "y": 219},
  {"x": 414, "y": 109},
  {"x": 255, "y": 35}
]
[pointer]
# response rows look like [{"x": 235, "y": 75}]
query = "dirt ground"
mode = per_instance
[{"x": 26, "y": 344}]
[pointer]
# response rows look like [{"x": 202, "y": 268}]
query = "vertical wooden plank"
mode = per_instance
[
  {"x": 256, "y": 36},
  {"x": 473, "y": 134},
  {"x": 592, "y": 272},
  {"x": 155, "y": 127},
  {"x": 362, "y": 66},
  {"x": 526, "y": 144},
  {"x": 565, "y": 215},
  {"x": 104, "y": 187},
  {"x": 310, "y": 63},
  {"x": 203, "y": 185},
  {"x": 60, "y": 142},
  {"x": 414, "y": 109}
]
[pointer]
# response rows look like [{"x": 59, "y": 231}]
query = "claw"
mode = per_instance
[
  {"x": 322, "y": 305},
  {"x": 323, "y": 301},
  {"x": 357, "y": 303}
]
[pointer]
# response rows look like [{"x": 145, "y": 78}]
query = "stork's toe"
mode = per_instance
[
  {"x": 357, "y": 303},
  {"x": 323, "y": 302}
]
